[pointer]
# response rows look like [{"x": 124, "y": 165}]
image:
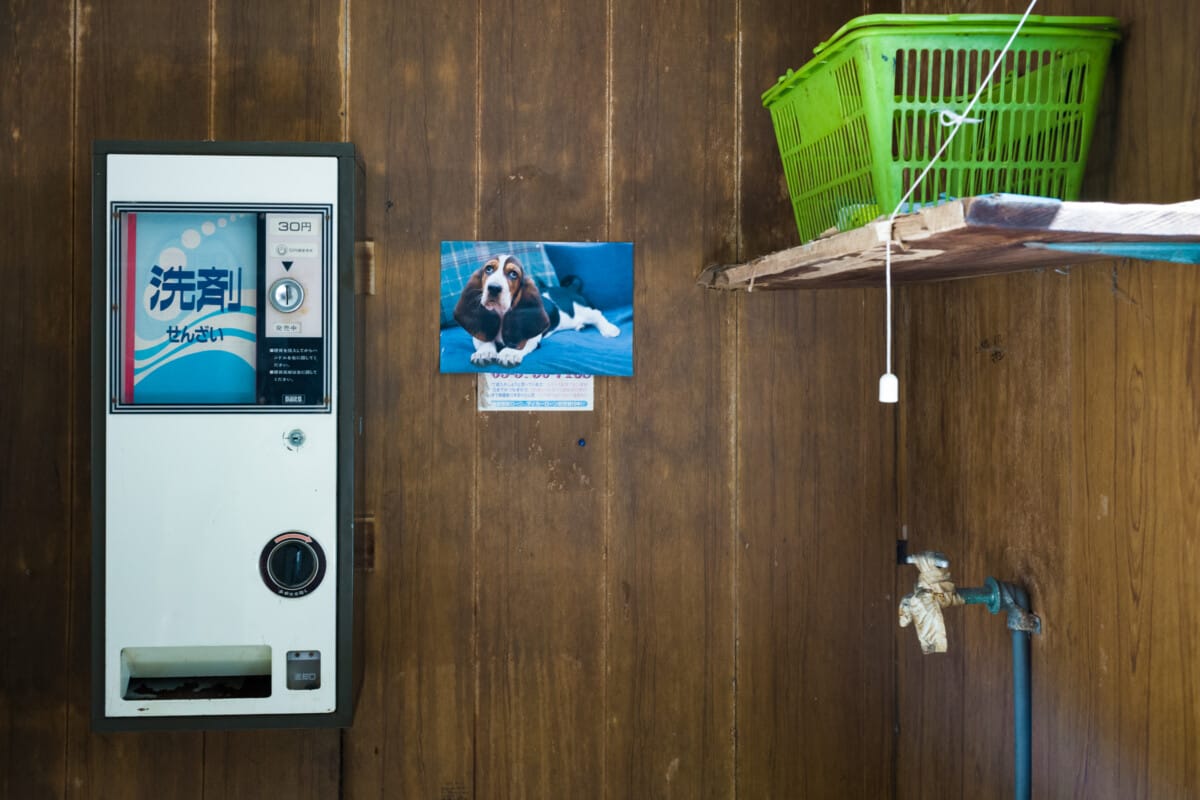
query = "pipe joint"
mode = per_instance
[
  {"x": 998, "y": 596},
  {"x": 1015, "y": 602}
]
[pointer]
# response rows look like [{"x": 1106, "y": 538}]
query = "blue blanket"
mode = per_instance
[{"x": 583, "y": 352}]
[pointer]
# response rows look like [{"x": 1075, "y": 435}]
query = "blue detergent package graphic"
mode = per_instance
[{"x": 192, "y": 281}]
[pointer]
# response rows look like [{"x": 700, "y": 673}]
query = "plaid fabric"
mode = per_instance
[{"x": 460, "y": 259}]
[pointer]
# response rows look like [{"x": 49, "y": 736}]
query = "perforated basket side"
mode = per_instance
[
  {"x": 824, "y": 142},
  {"x": 857, "y": 125},
  {"x": 1034, "y": 126}
]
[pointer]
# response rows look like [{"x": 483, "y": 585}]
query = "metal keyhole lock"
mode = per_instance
[
  {"x": 286, "y": 295},
  {"x": 295, "y": 438}
]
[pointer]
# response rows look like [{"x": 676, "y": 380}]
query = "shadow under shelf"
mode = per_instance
[{"x": 975, "y": 236}]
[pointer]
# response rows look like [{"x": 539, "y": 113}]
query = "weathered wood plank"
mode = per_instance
[
  {"x": 538, "y": 494},
  {"x": 412, "y": 116},
  {"x": 815, "y": 488},
  {"x": 35, "y": 407},
  {"x": 1136, "y": 380},
  {"x": 277, "y": 70},
  {"x": 157, "y": 89},
  {"x": 275, "y": 763},
  {"x": 1137, "y": 519},
  {"x": 1069, "y": 463},
  {"x": 987, "y": 485},
  {"x": 815, "y": 552},
  {"x": 970, "y": 237},
  {"x": 670, "y": 583}
]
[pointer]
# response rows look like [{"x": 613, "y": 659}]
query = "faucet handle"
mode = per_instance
[{"x": 938, "y": 559}]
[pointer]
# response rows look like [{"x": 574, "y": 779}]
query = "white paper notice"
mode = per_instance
[{"x": 514, "y": 392}]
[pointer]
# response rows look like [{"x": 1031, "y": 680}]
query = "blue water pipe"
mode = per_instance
[{"x": 1013, "y": 600}]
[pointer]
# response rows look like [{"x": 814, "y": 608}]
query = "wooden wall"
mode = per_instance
[
  {"x": 682, "y": 594},
  {"x": 700, "y": 602},
  {"x": 1049, "y": 429}
]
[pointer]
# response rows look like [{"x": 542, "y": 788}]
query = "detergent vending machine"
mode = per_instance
[{"x": 223, "y": 374}]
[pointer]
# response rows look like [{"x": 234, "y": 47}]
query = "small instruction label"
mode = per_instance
[{"x": 517, "y": 392}]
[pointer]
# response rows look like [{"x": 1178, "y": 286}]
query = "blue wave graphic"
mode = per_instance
[
  {"x": 149, "y": 352},
  {"x": 209, "y": 377},
  {"x": 183, "y": 346}
]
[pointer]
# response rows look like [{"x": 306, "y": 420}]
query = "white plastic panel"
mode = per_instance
[{"x": 192, "y": 497}]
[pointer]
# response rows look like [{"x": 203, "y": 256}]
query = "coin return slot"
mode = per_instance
[{"x": 195, "y": 673}]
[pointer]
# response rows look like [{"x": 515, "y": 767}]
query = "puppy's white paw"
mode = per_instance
[
  {"x": 607, "y": 329},
  {"x": 482, "y": 358},
  {"x": 509, "y": 357}
]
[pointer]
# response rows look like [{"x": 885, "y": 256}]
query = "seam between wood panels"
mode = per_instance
[
  {"x": 898, "y": 476},
  {"x": 204, "y": 764},
  {"x": 478, "y": 116},
  {"x": 896, "y": 530},
  {"x": 72, "y": 377},
  {"x": 608, "y": 121},
  {"x": 345, "y": 56},
  {"x": 733, "y": 318},
  {"x": 892, "y": 533},
  {"x": 212, "y": 69},
  {"x": 478, "y": 134},
  {"x": 606, "y": 513},
  {"x": 734, "y": 388}
]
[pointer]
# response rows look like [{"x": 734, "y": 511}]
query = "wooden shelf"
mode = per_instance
[{"x": 976, "y": 236}]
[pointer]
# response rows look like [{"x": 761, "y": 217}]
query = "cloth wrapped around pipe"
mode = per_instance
[{"x": 933, "y": 591}]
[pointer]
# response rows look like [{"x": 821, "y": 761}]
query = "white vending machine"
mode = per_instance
[{"x": 222, "y": 455}]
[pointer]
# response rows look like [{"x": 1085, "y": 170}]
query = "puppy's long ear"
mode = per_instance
[
  {"x": 526, "y": 318},
  {"x": 480, "y": 322}
]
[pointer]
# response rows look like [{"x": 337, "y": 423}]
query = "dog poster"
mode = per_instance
[{"x": 537, "y": 308}]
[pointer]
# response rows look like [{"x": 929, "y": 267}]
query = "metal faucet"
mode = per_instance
[{"x": 935, "y": 590}]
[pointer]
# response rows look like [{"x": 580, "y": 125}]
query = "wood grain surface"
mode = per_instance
[
  {"x": 413, "y": 120},
  {"x": 670, "y": 582},
  {"x": 538, "y": 492},
  {"x": 973, "y": 237},
  {"x": 689, "y": 592},
  {"x": 815, "y": 491},
  {"x": 35, "y": 406},
  {"x": 1048, "y": 430}
]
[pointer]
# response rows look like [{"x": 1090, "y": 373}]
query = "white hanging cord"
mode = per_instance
[
  {"x": 889, "y": 385},
  {"x": 948, "y": 118}
]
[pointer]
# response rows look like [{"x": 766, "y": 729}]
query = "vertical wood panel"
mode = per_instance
[
  {"x": 1067, "y": 464},
  {"x": 1075, "y": 473},
  {"x": 815, "y": 489},
  {"x": 1156, "y": 155},
  {"x": 1136, "y": 383},
  {"x": 35, "y": 407},
  {"x": 275, "y": 76},
  {"x": 538, "y": 493},
  {"x": 277, "y": 70},
  {"x": 670, "y": 660},
  {"x": 815, "y": 551},
  {"x": 413, "y": 99},
  {"x": 1083, "y": 754},
  {"x": 156, "y": 89}
]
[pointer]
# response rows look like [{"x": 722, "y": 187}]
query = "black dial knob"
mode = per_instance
[{"x": 292, "y": 564}]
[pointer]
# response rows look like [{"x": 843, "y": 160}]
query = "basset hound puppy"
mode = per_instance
[{"x": 508, "y": 317}]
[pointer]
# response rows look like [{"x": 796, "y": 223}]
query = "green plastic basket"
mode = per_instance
[{"x": 858, "y": 124}]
